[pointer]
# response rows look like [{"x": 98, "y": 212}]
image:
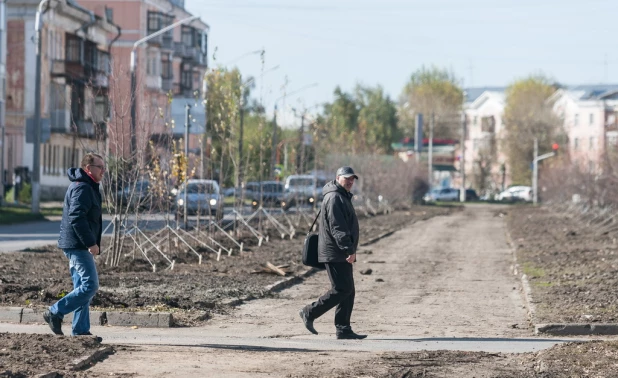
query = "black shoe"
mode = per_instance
[
  {"x": 97, "y": 338},
  {"x": 54, "y": 322},
  {"x": 350, "y": 336},
  {"x": 308, "y": 322}
]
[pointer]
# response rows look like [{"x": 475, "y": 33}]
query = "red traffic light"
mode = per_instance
[{"x": 555, "y": 147}]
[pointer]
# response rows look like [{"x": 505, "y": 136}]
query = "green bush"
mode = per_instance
[
  {"x": 9, "y": 196},
  {"x": 25, "y": 193}
]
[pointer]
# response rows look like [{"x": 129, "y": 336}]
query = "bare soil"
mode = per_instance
[
  {"x": 25, "y": 355},
  {"x": 573, "y": 270}
]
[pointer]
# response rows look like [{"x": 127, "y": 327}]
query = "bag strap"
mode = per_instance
[{"x": 315, "y": 220}]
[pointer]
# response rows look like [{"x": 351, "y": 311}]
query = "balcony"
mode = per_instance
[
  {"x": 167, "y": 84},
  {"x": 60, "y": 120},
  {"x": 92, "y": 130},
  {"x": 157, "y": 41},
  {"x": 167, "y": 42},
  {"x": 153, "y": 82},
  {"x": 179, "y": 49}
]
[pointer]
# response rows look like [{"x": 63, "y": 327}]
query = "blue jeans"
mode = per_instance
[{"x": 85, "y": 285}]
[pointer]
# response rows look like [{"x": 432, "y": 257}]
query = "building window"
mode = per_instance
[
  {"x": 591, "y": 146},
  {"x": 575, "y": 143},
  {"x": 73, "y": 49},
  {"x": 591, "y": 119},
  {"x": 576, "y": 120}
]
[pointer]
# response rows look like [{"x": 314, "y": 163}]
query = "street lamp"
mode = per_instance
[
  {"x": 36, "y": 145},
  {"x": 133, "y": 76},
  {"x": 241, "y": 125},
  {"x": 274, "y": 138}
]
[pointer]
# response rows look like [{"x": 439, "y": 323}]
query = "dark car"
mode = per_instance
[
  {"x": 471, "y": 195},
  {"x": 266, "y": 193}
]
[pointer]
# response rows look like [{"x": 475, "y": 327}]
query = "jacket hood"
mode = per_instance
[
  {"x": 78, "y": 174},
  {"x": 332, "y": 186}
]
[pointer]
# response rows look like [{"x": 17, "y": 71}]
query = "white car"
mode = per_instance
[
  {"x": 516, "y": 193},
  {"x": 443, "y": 194},
  {"x": 203, "y": 196}
]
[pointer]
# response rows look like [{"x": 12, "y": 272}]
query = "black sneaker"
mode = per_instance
[
  {"x": 308, "y": 322},
  {"x": 350, "y": 336},
  {"x": 97, "y": 338},
  {"x": 54, "y": 322}
]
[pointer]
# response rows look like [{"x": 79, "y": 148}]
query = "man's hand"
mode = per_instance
[
  {"x": 94, "y": 250},
  {"x": 351, "y": 259}
]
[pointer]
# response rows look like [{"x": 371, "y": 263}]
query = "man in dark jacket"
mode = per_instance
[
  {"x": 80, "y": 240},
  {"x": 337, "y": 243}
]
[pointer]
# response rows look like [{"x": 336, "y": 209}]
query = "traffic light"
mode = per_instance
[{"x": 555, "y": 148}]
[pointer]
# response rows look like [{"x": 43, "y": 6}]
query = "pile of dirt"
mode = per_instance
[
  {"x": 25, "y": 355},
  {"x": 572, "y": 269},
  {"x": 192, "y": 291}
]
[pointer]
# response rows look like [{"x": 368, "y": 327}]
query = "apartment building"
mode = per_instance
[
  {"x": 589, "y": 117},
  {"x": 485, "y": 162},
  {"x": 169, "y": 70},
  {"x": 75, "y": 69}
]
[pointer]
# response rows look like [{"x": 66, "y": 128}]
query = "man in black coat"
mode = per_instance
[
  {"x": 337, "y": 243},
  {"x": 80, "y": 240}
]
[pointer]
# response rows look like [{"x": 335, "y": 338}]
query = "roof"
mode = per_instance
[
  {"x": 473, "y": 93},
  {"x": 593, "y": 92}
]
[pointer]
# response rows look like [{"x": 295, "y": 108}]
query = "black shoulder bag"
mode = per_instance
[{"x": 310, "y": 247}]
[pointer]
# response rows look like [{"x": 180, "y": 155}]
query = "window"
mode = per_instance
[
  {"x": 591, "y": 119},
  {"x": 188, "y": 36},
  {"x": 109, "y": 14},
  {"x": 576, "y": 120},
  {"x": 591, "y": 145},
  {"x": 73, "y": 49},
  {"x": 575, "y": 143},
  {"x": 153, "y": 22}
]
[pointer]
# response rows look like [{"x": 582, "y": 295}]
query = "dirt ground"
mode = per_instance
[
  {"x": 571, "y": 274},
  {"x": 192, "y": 292},
  {"x": 573, "y": 271}
]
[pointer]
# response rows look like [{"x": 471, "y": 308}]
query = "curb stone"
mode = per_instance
[
  {"x": 557, "y": 329},
  {"x": 82, "y": 362}
]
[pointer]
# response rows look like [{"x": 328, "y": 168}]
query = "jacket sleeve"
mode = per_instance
[
  {"x": 79, "y": 205},
  {"x": 339, "y": 228}
]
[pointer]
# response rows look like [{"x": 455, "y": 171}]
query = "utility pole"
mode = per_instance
[
  {"x": 535, "y": 168},
  {"x": 462, "y": 162},
  {"x": 3, "y": 53},
  {"x": 273, "y": 152},
  {"x": 300, "y": 153},
  {"x": 240, "y": 143},
  {"x": 36, "y": 145},
  {"x": 430, "y": 151},
  {"x": 535, "y": 172},
  {"x": 187, "y": 127}
]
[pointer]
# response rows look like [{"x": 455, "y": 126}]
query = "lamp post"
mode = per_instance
[
  {"x": 36, "y": 144},
  {"x": 274, "y": 138},
  {"x": 134, "y": 79}
]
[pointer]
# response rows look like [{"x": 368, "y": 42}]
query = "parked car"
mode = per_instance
[
  {"x": 266, "y": 193},
  {"x": 516, "y": 193},
  {"x": 442, "y": 194},
  {"x": 302, "y": 189},
  {"x": 471, "y": 195},
  {"x": 135, "y": 194},
  {"x": 203, "y": 196}
]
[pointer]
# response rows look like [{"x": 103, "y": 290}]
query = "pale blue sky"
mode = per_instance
[{"x": 342, "y": 42}]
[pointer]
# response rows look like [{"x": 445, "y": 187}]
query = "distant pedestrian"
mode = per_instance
[
  {"x": 337, "y": 243},
  {"x": 80, "y": 240}
]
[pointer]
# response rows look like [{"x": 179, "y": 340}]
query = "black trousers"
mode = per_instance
[{"x": 341, "y": 295}]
